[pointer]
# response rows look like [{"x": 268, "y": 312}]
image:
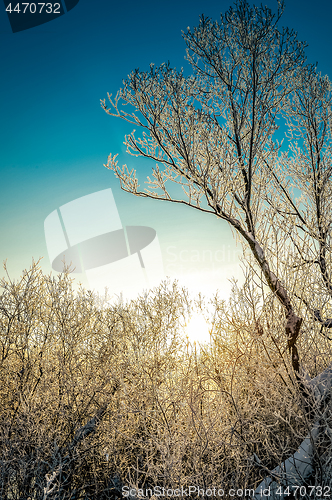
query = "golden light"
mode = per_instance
[{"x": 197, "y": 329}]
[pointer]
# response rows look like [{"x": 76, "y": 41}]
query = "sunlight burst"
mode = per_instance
[{"x": 198, "y": 329}]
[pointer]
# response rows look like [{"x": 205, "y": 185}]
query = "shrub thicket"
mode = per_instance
[{"x": 94, "y": 398}]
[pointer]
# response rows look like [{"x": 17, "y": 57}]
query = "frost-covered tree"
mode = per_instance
[{"x": 217, "y": 134}]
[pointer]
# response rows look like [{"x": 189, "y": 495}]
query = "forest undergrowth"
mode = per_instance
[{"x": 98, "y": 399}]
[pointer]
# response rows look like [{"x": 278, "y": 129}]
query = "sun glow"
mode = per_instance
[{"x": 198, "y": 329}]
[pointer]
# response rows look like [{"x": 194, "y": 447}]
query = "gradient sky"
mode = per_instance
[{"x": 55, "y": 137}]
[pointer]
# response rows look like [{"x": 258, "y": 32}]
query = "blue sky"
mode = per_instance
[{"x": 55, "y": 137}]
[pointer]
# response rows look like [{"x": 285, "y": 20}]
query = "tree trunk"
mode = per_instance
[{"x": 300, "y": 466}]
